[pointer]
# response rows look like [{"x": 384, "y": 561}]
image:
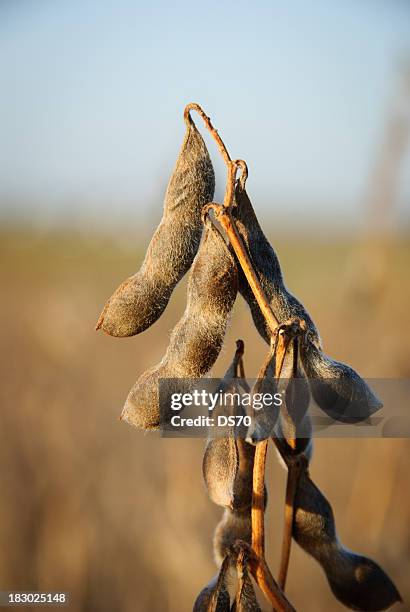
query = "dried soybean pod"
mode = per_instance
[
  {"x": 333, "y": 379},
  {"x": 337, "y": 389},
  {"x": 228, "y": 462},
  {"x": 219, "y": 468},
  {"x": 245, "y": 600},
  {"x": 294, "y": 422},
  {"x": 301, "y": 434},
  {"x": 214, "y": 597},
  {"x": 141, "y": 299},
  {"x": 357, "y": 581},
  {"x": 197, "y": 338},
  {"x": 234, "y": 525},
  {"x": 265, "y": 261},
  {"x": 264, "y": 419},
  {"x": 227, "y": 469}
]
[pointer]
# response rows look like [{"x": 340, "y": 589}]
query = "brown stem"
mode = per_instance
[
  {"x": 264, "y": 579},
  {"x": 294, "y": 470},
  {"x": 224, "y": 217},
  {"x": 214, "y": 133},
  {"x": 258, "y": 499},
  {"x": 258, "y": 493},
  {"x": 230, "y": 185}
]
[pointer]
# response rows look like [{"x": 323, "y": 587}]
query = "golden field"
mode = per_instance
[{"x": 120, "y": 518}]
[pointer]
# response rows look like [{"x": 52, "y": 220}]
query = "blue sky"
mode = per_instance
[{"x": 93, "y": 93}]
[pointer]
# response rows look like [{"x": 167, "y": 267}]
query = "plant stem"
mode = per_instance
[
  {"x": 258, "y": 499},
  {"x": 224, "y": 217},
  {"x": 264, "y": 579},
  {"x": 291, "y": 487},
  {"x": 214, "y": 133}
]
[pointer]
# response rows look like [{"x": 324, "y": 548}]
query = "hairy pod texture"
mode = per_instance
[
  {"x": 294, "y": 422},
  {"x": 227, "y": 466},
  {"x": 264, "y": 259},
  {"x": 141, "y": 299},
  {"x": 340, "y": 391},
  {"x": 214, "y": 590},
  {"x": 264, "y": 420},
  {"x": 245, "y": 600},
  {"x": 234, "y": 525},
  {"x": 227, "y": 469},
  {"x": 337, "y": 389},
  {"x": 197, "y": 338},
  {"x": 215, "y": 597},
  {"x": 357, "y": 581},
  {"x": 236, "y": 522}
]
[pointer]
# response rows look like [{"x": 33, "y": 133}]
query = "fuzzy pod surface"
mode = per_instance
[
  {"x": 227, "y": 465},
  {"x": 141, "y": 299},
  {"x": 234, "y": 525},
  {"x": 357, "y": 581},
  {"x": 337, "y": 388},
  {"x": 245, "y": 600},
  {"x": 227, "y": 468},
  {"x": 196, "y": 340},
  {"x": 213, "y": 590},
  {"x": 265, "y": 261}
]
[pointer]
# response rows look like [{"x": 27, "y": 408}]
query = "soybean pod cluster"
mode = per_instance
[{"x": 226, "y": 253}]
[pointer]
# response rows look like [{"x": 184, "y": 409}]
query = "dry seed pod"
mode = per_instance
[
  {"x": 228, "y": 462},
  {"x": 294, "y": 422},
  {"x": 214, "y": 597},
  {"x": 362, "y": 402},
  {"x": 302, "y": 441},
  {"x": 264, "y": 419},
  {"x": 356, "y": 581},
  {"x": 264, "y": 259},
  {"x": 197, "y": 338},
  {"x": 227, "y": 468},
  {"x": 234, "y": 525},
  {"x": 245, "y": 600},
  {"x": 141, "y": 299},
  {"x": 219, "y": 468},
  {"x": 337, "y": 389}
]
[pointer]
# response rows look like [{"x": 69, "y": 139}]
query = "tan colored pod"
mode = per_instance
[
  {"x": 220, "y": 468},
  {"x": 245, "y": 600},
  {"x": 339, "y": 390},
  {"x": 234, "y": 525},
  {"x": 141, "y": 299},
  {"x": 197, "y": 338},
  {"x": 227, "y": 465},
  {"x": 265, "y": 261},
  {"x": 357, "y": 581},
  {"x": 227, "y": 468},
  {"x": 214, "y": 597}
]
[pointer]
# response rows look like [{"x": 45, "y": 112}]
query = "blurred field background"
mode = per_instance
[
  {"x": 120, "y": 519},
  {"x": 316, "y": 98}
]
